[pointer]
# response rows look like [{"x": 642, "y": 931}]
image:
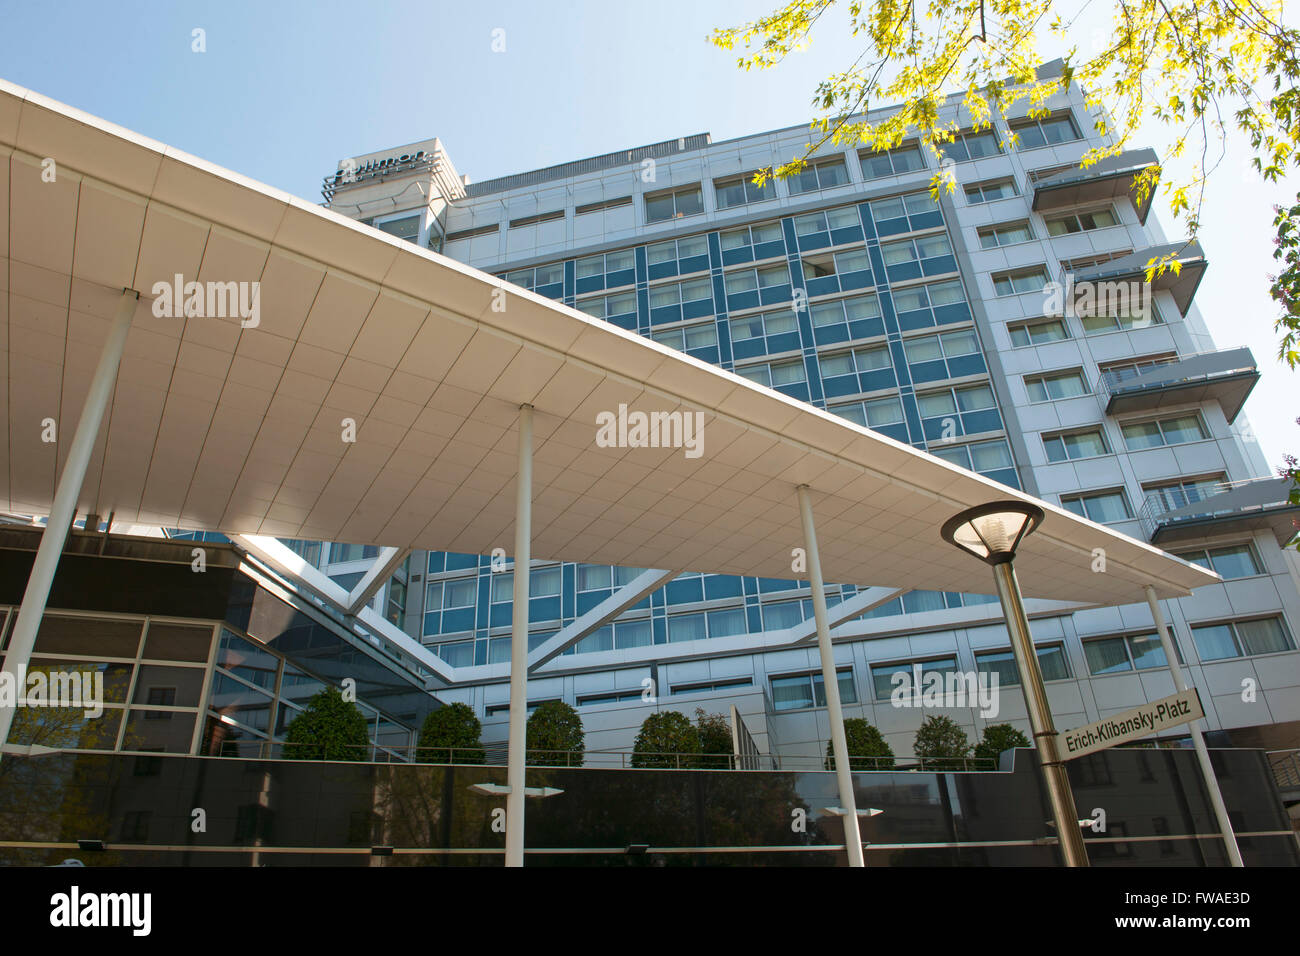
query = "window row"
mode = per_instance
[
  {"x": 806, "y": 689},
  {"x": 1214, "y": 642},
  {"x": 750, "y": 243},
  {"x": 825, "y": 173},
  {"x": 1112, "y": 504},
  {"x": 1010, "y": 233},
  {"x": 741, "y": 190},
  {"x": 1091, "y": 442},
  {"x": 1054, "y": 329},
  {"x": 1104, "y": 655}
]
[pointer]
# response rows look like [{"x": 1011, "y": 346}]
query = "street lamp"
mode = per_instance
[{"x": 992, "y": 533}]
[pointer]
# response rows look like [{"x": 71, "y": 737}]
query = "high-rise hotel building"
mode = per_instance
[{"x": 935, "y": 323}]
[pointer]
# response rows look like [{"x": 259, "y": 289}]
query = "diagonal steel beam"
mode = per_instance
[
  {"x": 289, "y": 563},
  {"x": 385, "y": 565},
  {"x": 862, "y": 602},
  {"x": 635, "y": 590}
]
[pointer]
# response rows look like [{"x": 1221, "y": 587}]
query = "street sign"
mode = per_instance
[{"x": 1180, "y": 708}]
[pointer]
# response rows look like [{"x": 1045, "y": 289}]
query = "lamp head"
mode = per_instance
[{"x": 992, "y": 532}]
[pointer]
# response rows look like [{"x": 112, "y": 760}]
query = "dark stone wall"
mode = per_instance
[{"x": 308, "y": 813}]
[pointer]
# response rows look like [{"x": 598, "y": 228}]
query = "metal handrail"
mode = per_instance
[
  {"x": 494, "y": 755},
  {"x": 1112, "y": 381},
  {"x": 1155, "y": 507}
]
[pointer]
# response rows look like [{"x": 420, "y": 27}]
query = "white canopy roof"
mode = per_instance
[{"x": 219, "y": 427}]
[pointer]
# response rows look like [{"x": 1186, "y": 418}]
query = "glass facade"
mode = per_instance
[
  {"x": 185, "y": 663},
  {"x": 153, "y": 676}
]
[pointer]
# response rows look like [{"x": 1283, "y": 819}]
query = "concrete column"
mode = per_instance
[
  {"x": 64, "y": 508},
  {"x": 518, "y": 744},
  {"x": 1198, "y": 741},
  {"x": 834, "y": 710}
]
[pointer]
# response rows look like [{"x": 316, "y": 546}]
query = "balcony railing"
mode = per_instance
[
  {"x": 1194, "y": 512},
  {"x": 1109, "y": 178},
  {"x": 1226, "y": 376},
  {"x": 1125, "y": 278}
]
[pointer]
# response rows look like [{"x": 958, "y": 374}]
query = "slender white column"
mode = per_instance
[
  {"x": 64, "y": 508},
  {"x": 1202, "y": 755},
  {"x": 834, "y": 711},
  {"x": 519, "y": 644}
]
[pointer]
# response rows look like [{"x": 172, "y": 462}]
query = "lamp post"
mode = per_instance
[{"x": 992, "y": 533}]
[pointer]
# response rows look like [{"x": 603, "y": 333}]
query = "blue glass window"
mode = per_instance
[
  {"x": 751, "y": 243},
  {"x": 763, "y": 333},
  {"x": 844, "y": 319},
  {"x": 867, "y": 368},
  {"x": 608, "y": 271},
  {"x": 909, "y": 213},
  {"x": 677, "y": 257}
]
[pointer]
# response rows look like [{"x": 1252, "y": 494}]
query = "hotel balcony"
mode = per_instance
[
  {"x": 1109, "y": 178},
  {"x": 1226, "y": 376},
  {"x": 1258, "y": 504},
  {"x": 1110, "y": 281}
]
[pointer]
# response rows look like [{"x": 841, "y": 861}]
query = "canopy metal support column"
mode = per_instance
[
  {"x": 1198, "y": 741},
  {"x": 834, "y": 711},
  {"x": 64, "y": 508},
  {"x": 519, "y": 644},
  {"x": 1057, "y": 781}
]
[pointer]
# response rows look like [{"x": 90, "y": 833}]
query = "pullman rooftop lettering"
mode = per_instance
[{"x": 351, "y": 173}]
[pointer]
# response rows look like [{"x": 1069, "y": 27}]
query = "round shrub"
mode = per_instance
[
  {"x": 329, "y": 728},
  {"x": 868, "y": 749},
  {"x": 716, "y": 745},
  {"x": 941, "y": 744},
  {"x": 450, "y": 735},
  {"x": 555, "y": 735},
  {"x": 997, "y": 738},
  {"x": 667, "y": 739}
]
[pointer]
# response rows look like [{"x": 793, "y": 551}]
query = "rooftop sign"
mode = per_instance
[{"x": 353, "y": 171}]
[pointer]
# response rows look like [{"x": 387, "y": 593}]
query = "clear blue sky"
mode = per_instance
[{"x": 286, "y": 89}]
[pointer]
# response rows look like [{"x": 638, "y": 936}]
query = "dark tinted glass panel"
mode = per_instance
[
  {"x": 116, "y": 677},
  {"x": 253, "y": 663},
  {"x": 159, "y": 730},
  {"x": 221, "y": 739},
  {"x": 65, "y": 727},
  {"x": 89, "y": 636},
  {"x": 186, "y": 683},
  {"x": 239, "y": 702},
  {"x": 177, "y": 642}
]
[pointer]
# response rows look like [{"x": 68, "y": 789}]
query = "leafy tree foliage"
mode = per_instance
[
  {"x": 1286, "y": 291},
  {"x": 1198, "y": 68},
  {"x": 555, "y": 737},
  {"x": 450, "y": 735},
  {"x": 329, "y": 728},
  {"x": 997, "y": 738},
  {"x": 716, "y": 745},
  {"x": 1286, "y": 285},
  {"x": 868, "y": 749},
  {"x": 942, "y": 744},
  {"x": 666, "y": 739}
]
